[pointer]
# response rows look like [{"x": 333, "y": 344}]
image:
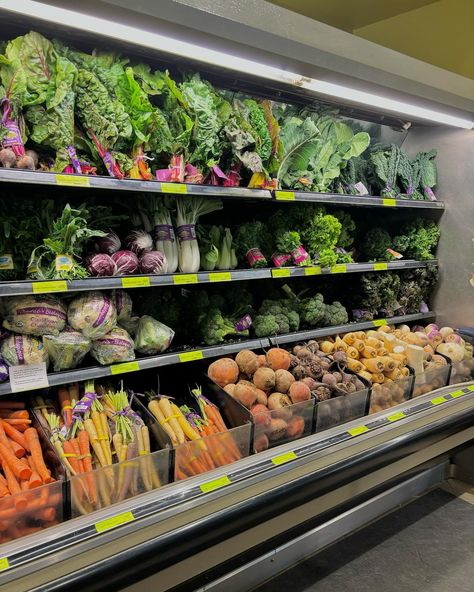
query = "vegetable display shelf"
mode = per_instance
[
  {"x": 168, "y": 359},
  {"x": 356, "y": 200},
  {"x": 437, "y": 410},
  {"x": 17, "y": 288},
  {"x": 110, "y": 183}
]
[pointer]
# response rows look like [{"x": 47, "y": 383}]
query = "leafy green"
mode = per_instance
[{"x": 418, "y": 239}]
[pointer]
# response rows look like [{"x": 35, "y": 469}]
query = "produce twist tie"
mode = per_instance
[{"x": 168, "y": 418}]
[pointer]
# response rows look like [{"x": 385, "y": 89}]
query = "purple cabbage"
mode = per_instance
[
  {"x": 108, "y": 244},
  {"x": 101, "y": 265},
  {"x": 126, "y": 262},
  {"x": 153, "y": 262},
  {"x": 139, "y": 241}
]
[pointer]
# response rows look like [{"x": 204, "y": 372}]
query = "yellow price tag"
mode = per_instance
[
  {"x": 390, "y": 202},
  {"x": 358, "y": 430},
  {"x": 380, "y": 266},
  {"x": 284, "y": 458},
  {"x": 115, "y": 521},
  {"x": 73, "y": 180},
  {"x": 313, "y": 270},
  {"x": 48, "y": 287},
  {"x": 191, "y": 356},
  {"x": 124, "y": 368},
  {"x": 135, "y": 282},
  {"x": 340, "y": 268},
  {"x": 379, "y": 322},
  {"x": 396, "y": 416},
  {"x": 4, "y": 563},
  {"x": 438, "y": 400},
  {"x": 457, "y": 394},
  {"x": 220, "y": 276},
  {"x": 174, "y": 188},
  {"x": 281, "y": 272},
  {"x": 285, "y": 195},
  {"x": 188, "y": 278},
  {"x": 215, "y": 484},
  {"x": 470, "y": 388}
]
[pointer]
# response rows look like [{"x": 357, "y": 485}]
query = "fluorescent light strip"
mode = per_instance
[{"x": 191, "y": 51}]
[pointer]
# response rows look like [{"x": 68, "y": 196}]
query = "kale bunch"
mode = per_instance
[
  {"x": 375, "y": 243},
  {"x": 418, "y": 239}
]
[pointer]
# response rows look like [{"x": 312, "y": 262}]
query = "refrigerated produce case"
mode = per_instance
[{"x": 236, "y": 526}]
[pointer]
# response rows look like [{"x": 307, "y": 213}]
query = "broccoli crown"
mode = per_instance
[
  {"x": 214, "y": 328},
  {"x": 312, "y": 310},
  {"x": 335, "y": 314},
  {"x": 265, "y": 325},
  {"x": 293, "y": 319}
]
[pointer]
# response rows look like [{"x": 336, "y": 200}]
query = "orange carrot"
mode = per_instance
[
  {"x": 14, "y": 487},
  {"x": 17, "y": 421},
  {"x": 72, "y": 456},
  {"x": 21, "y": 427},
  {"x": 77, "y": 452},
  {"x": 35, "y": 479},
  {"x": 17, "y": 450},
  {"x": 34, "y": 447},
  {"x": 12, "y": 404},
  {"x": 66, "y": 407},
  {"x": 14, "y": 434},
  {"x": 47, "y": 514},
  {"x": 19, "y": 467},
  {"x": 4, "y": 490},
  {"x": 21, "y": 414},
  {"x": 84, "y": 449}
]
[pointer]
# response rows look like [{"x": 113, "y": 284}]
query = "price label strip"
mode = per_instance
[
  {"x": 281, "y": 272},
  {"x": 220, "y": 276},
  {"x": 113, "y": 522},
  {"x": 358, "y": 430},
  {"x": 284, "y": 458},
  {"x": 340, "y": 268},
  {"x": 191, "y": 356},
  {"x": 185, "y": 278},
  {"x": 215, "y": 484},
  {"x": 179, "y": 188},
  {"x": 135, "y": 282},
  {"x": 389, "y": 202},
  {"x": 379, "y": 322},
  {"x": 396, "y": 416},
  {"x": 73, "y": 180},
  {"x": 4, "y": 563},
  {"x": 312, "y": 270},
  {"x": 380, "y": 266},
  {"x": 49, "y": 287},
  {"x": 456, "y": 394},
  {"x": 124, "y": 368},
  {"x": 285, "y": 195}
]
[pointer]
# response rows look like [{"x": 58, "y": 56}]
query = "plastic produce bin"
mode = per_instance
[
  {"x": 384, "y": 396},
  {"x": 431, "y": 380},
  {"x": 462, "y": 371},
  {"x": 35, "y": 509},
  {"x": 338, "y": 410}
]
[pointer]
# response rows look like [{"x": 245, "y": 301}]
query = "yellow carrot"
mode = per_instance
[
  {"x": 95, "y": 442},
  {"x": 154, "y": 407},
  {"x": 165, "y": 407}
]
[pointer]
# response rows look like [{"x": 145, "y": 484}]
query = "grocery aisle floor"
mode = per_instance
[{"x": 427, "y": 546}]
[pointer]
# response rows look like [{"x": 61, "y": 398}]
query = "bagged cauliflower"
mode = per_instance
[
  {"x": 130, "y": 325},
  {"x": 123, "y": 304},
  {"x": 116, "y": 346},
  {"x": 34, "y": 315},
  {"x": 152, "y": 336},
  {"x": 92, "y": 313},
  {"x": 66, "y": 350},
  {"x": 19, "y": 350}
]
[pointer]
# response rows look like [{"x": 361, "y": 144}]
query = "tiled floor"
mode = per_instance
[{"x": 427, "y": 546}]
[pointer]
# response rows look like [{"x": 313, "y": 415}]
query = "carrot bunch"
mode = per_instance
[
  {"x": 202, "y": 441},
  {"x": 23, "y": 507}
]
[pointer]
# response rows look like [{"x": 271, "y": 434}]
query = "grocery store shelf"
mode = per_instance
[
  {"x": 169, "y": 359},
  {"x": 339, "y": 199},
  {"x": 336, "y": 456},
  {"x": 17, "y": 288},
  {"x": 99, "y": 182},
  {"x": 326, "y": 331}
]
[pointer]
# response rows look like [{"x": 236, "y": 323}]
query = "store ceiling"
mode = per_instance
[{"x": 351, "y": 14}]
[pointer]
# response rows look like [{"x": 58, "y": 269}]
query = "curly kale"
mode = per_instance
[
  {"x": 416, "y": 286},
  {"x": 418, "y": 239},
  {"x": 375, "y": 243},
  {"x": 379, "y": 292},
  {"x": 348, "y": 227}
]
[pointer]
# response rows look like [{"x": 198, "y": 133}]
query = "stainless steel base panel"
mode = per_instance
[{"x": 293, "y": 552}]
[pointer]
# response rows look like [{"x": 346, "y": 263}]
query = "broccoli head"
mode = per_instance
[
  {"x": 293, "y": 320},
  {"x": 335, "y": 314},
  {"x": 214, "y": 328},
  {"x": 312, "y": 310},
  {"x": 265, "y": 325}
]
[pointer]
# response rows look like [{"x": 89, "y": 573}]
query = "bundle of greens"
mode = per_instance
[
  {"x": 385, "y": 165},
  {"x": 375, "y": 244},
  {"x": 251, "y": 241},
  {"x": 215, "y": 246},
  {"x": 418, "y": 239},
  {"x": 320, "y": 235},
  {"x": 416, "y": 286},
  {"x": 428, "y": 173},
  {"x": 377, "y": 296},
  {"x": 60, "y": 254},
  {"x": 409, "y": 172}
]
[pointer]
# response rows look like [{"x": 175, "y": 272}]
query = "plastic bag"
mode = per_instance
[
  {"x": 93, "y": 314},
  {"x": 19, "y": 350},
  {"x": 66, "y": 350},
  {"x": 123, "y": 304},
  {"x": 130, "y": 325},
  {"x": 152, "y": 336},
  {"x": 116, "y": 346},
  {"x": 34, "y": 315}
]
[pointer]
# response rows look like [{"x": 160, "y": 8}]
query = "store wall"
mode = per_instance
[
  {"x": 440, "y": 33},
  {"x": 454, "y": 300}
]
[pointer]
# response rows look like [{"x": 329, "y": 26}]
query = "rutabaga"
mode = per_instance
[{"x": 188, "y": 211}]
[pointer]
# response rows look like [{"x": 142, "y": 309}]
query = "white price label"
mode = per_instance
[{"x": 26, "y": 378}]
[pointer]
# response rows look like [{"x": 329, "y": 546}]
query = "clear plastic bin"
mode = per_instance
[
  {"x": 279, "y": 426},
  {"x": 338, "y": 410},
  {"x": 105, "y": 486},
  {"x": 199, "y": 456},
  {"x": 431, "y": 380},
  {"x": 384, "y": 396},
  {"x": 462, "y": 371}
]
